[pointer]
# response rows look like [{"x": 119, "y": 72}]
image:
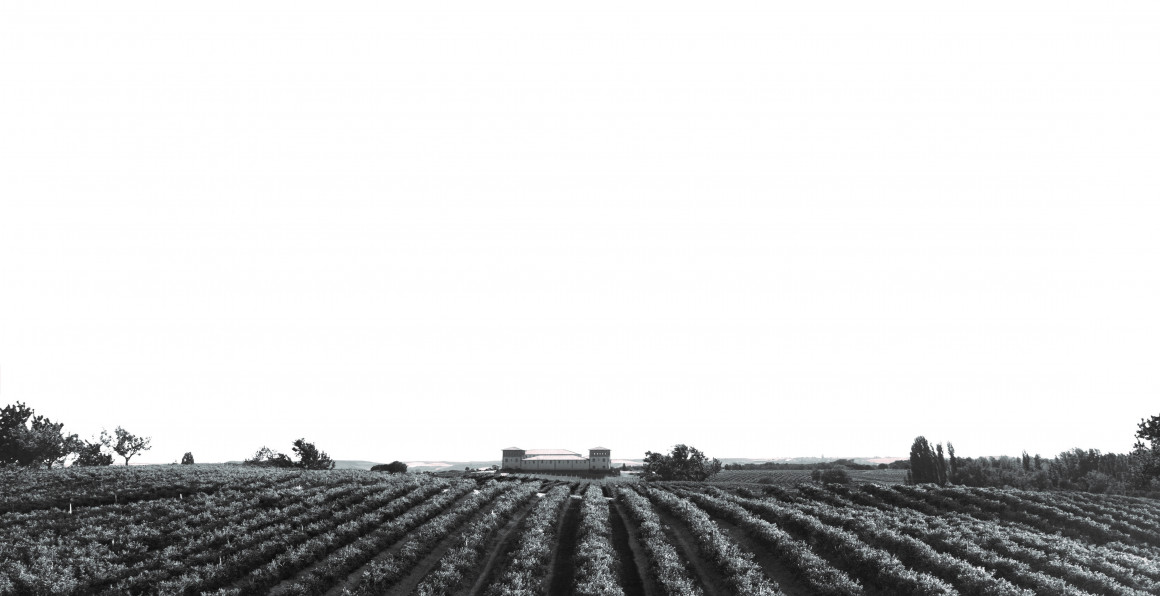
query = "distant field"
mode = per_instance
[
  {"x": 794, "y": 477},
  {"x": 231, "y": 530}
]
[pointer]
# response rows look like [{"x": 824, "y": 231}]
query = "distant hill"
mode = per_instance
[
  {"x": 873, "y": 461},
  {"x": 444, "y": 465},
  {"x": 354, "y": 464},
  {"x": 339, "y": 464}
]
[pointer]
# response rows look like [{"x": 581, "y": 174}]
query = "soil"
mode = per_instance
[
  {"x": 710, "y": 578},
  {"x": 837, "y": 562},
  {"x": 770, "y": 564},
  {"x": 499, "y": 548},
  {"x": 352, "y": 580},
  {"x": 409, "y": 582},
  {"x": 635, "y": 575},
  {"x": 563, "y": 572}
]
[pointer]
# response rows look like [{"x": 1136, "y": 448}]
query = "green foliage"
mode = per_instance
[
  {"x": 1145, "y": 456},
  {"x": 128, "y": 445},
  {"x": 28, "y": 440},
  {"x": 187, "y": 459},
  {"x": 268, "y": 458},
  {"x": 682, "y": 463},
  {"x": 395, "y": 467},
  {"x": 926, "y": 464},
  {"x": 310, "y": 458},
  {"x": 1149, "y": 430},
  {"x": 835, "y": 476},
  {"x": 90, "y": 454}
]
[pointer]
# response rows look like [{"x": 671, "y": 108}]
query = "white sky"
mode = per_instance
[{"x": 433, "y": 230}]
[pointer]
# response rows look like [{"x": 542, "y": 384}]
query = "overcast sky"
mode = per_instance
[{"x": 433, "y": 230}]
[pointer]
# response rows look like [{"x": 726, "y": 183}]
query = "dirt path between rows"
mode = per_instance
[
  {"x": 499, "y": 546},
  {"x": 770, "y": 563},
  {"x": 352, "y": 580},
  {"x": 835, "y": 561},
  {"x": 409, "y": 582},
  {"x": 563, "y": 570},
  {"x": 704, "y": 571},
  {"x": 634, "y": 575}
]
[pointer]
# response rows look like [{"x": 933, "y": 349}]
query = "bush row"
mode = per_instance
[
  {"x": 525, "y": 574},
  {"x": 742, "y": 574}
]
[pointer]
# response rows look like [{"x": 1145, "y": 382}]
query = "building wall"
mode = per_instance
[
  {"x": 601, "y": 459},
  {"x": 562, "y": 465},
  {"x": 597, "y": 460},
  {"x": 512, "y": 458}
]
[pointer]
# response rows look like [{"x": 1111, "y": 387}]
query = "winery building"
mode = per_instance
[{"x": 557, "y": 460}]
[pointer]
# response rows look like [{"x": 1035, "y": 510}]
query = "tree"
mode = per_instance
[
  {"x": 682, "y": 463},
  {"x": 128, "y": 444},
  {"x": 13, "y": 427},
  {"x": 268, "y": 458},
  {"x": 1145, "y": 456},
  {"x": 942, "y": 465},
  {"x": 953, "y": 478},
  {"x": 310, "y": 458},
  {"x": 1149, "y": 430},
  {"x": 924, "y": 463},
  {"x": 89, "y": 454},
  {"x": 835, "y": 475},
  {"x": 395, "y": 467},
  {"x": 28, "y": 440},
  {"x": 46, "y": 444},
  {"x": 187, "y": 459}
]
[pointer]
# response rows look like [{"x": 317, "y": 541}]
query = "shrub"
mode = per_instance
[
  {"x": 395, "y": 467},
  {"x": 836, "y": 476}
]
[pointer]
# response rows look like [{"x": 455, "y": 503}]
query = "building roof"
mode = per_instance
[
  {"x": 600, "y": 449},
  {"x": 555, "y": 458},
  {"x": 550, "y": 452}
]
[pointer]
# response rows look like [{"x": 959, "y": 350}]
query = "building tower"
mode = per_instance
[
  {"x": 513, "y": 458},
  {"x": 599, "y": 458}
]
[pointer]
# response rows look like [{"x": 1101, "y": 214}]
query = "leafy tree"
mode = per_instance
[
  {"x": 1149, "y": 430},
  {"x": 128, "y": 445},
  {"x": 28, "y": 440},
  {"x": 269, "y": 458},
  {"x": 924, "y": 463},
  {"x": 682, "y": 463},
  {"x": 1145, "y": 456},
  {"x": 395, "y": 467},
  {"x": 310, "y": 458},
  {"x": 953, "y": 477},
  {"x": 187, "y": 459},
  {"x": 89, "y": 454},
  {"x": 835, "y": 475},
  {"x": 942, "y": 465},
  {"x": 13, "y": 427}
]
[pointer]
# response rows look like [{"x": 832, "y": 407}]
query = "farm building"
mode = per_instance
[{"x": 556, "y": 460}]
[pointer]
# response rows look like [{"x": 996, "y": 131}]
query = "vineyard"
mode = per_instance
[
  {"x": 795, "y": 477},
  {"x": 233, "y": 530}
]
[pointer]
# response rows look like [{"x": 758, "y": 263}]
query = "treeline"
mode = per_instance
[
  {"x": 309, "y": 458},
  {"x": 846, "y": 464},
  {"x": 29, "y": 440},
  {"x": 1087, "y": 470}
]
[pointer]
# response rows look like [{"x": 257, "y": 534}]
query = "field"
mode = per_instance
[
  {"x": 231, "y": 530},
  {"x": 795, "y": 477}
]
